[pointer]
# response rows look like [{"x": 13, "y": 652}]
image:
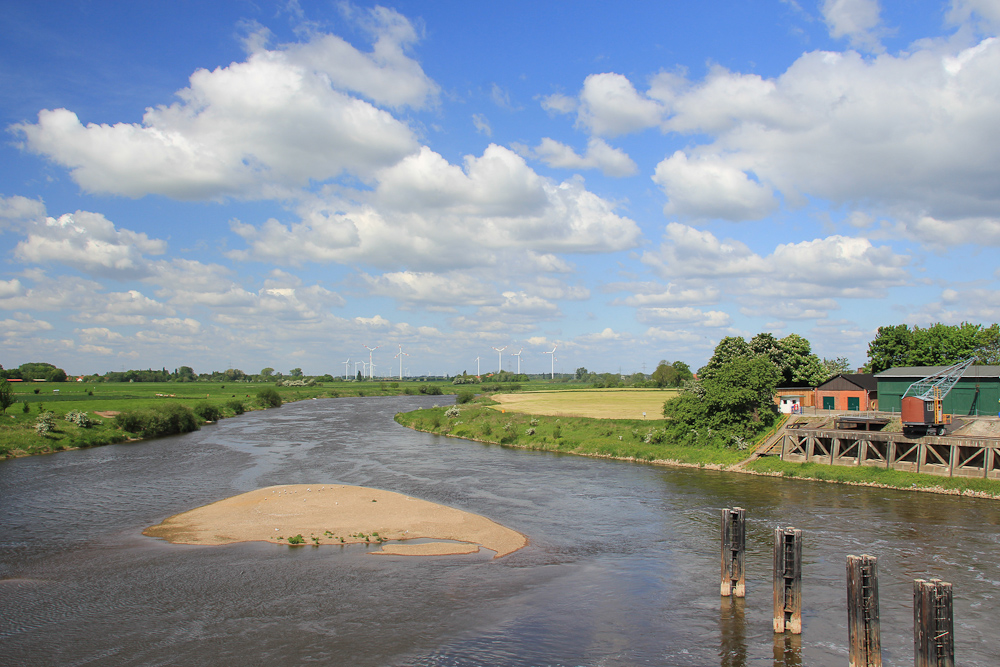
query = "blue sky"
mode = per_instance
[{"x": 282, "y": 183}]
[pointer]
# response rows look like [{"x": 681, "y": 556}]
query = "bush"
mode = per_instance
[
  {"x": 451, "y": 412},
  {"x": 26, "y": 408},
  {"x": 432, "y": 390},
  {"x": 208, "y": 412},
  {"x": 236, "y": 406},
  {"x": 166, "y": 419},
  {"x": 269, "y": 397},
  {"x": 81, "y": 419},
  {"x": 465, "y": 396},
  {"x": 45, "y": 423}
]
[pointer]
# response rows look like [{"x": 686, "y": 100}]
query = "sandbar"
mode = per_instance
[{"x": 339, "y": 514}]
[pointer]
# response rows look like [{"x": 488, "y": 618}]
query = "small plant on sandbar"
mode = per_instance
[{"x": 297, "y": 539}]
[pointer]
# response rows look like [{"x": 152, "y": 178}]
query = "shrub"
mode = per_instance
[
  {"x": 451, "y": 412},
  {"x": 37, "y": 390},
  {"x": 269, "y": 397},
  {"x": 236, "y": 406},
  {"x": 45, "y": 423},
  {"x": 208, "y": 412},
  {"x": 432, "y": 390},
  {"x": 296, "y": 539},
  {"x": 26, "y": 408},
  {"x": 556, "y": 433},
  {"x": 408, "y": 391},
  {"x": 81, "y": 419},
  {"x": 465, "y": 396},
  {"x": 530, "y": 431},
  {"x": 166, "y": 419}
]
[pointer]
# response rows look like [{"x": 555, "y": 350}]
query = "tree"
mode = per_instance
[
  {"x": 582, "y": 373},
  {"x": 665, "y": 375},
  {"x": 234, "y": 375},
  {"x": 798, "y": 364},
  {"x": 890, "y": 348},
  {"x": 6, "y": 395},
  {"x": 266, "y": 372},
  {"x": 836, "y": 366},
  {"x": 729, "y": 348},
  {"x": 359, "y": 377},
  {"x": 185, "y": 374},
  {"x": 295, "y": 372},
  {"x": 683, "y": 372},
  {"x": 57, "y": 375}
]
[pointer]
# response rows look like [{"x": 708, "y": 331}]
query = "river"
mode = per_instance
[{"x": 622, "y": 567}]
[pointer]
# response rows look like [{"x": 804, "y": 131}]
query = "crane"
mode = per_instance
[{"x": 923, "y": 400}]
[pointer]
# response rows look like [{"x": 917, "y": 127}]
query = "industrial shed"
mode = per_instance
[
  {"x": 976, "y": 393},
  {"x": 848, "y": 391}
]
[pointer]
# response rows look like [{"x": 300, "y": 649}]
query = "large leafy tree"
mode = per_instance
[
  {"x": 936, "y": 345},
  {"x": 798, "y": 365},
  {"x": 6, "y": 395}
]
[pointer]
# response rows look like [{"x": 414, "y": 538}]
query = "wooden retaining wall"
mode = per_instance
[{"x": 948, "y": 456}]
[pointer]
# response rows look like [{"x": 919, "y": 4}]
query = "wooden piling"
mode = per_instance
[
  {"x": 734, "y": 543},
  {"x": 863, "y": 632},
  {"x": 933, "y": 625},
  {"x": 788, "y": 580}
]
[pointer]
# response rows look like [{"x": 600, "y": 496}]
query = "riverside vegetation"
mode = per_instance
[{"x": 46, "y": 417}]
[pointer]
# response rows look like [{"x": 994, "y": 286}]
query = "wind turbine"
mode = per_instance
[
  {"x": 400, "y": 355},
  {"x": 518, "y": 355},
  {"x": 477, "y": 366},
  {"x": 346, "y": 364},
  {"x": 371, "y": 366},
  {"x": 362, "y": 368},
  {"x": 552, "y": 373},
  {"x": 500, "y": 357}
]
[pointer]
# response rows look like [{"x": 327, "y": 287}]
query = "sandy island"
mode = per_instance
[{"x": 337, "y": 514}]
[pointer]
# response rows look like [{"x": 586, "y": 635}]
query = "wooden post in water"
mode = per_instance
[
  {"x": 933, "y": 626},
  {"x": 863, "y": 633},
  {"x": 734, "y": 544},
  {"x": 788, "y": 580}
]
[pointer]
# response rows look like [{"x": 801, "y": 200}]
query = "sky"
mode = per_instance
[{"x": 281, "y": 184}]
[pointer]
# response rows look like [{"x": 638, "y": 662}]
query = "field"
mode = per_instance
[{"x": 592, "y": 403}]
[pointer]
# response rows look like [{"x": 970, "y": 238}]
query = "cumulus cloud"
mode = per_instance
[
  {"x": 428, "y": 214},
  {"x": 612, "y": 161},
  {"x": 443, "y": 291},
  {"x": 857, "y": 20},
  {"x": 915, "y": 136},
  {"x": 278, "y": 120},
  {"x": 836, "y": 266},
  {"x": 610, "y": 105},
  {"x": 711, "y": 187},
  {"x": 90, "y": 243},
  {"x": 684, "y": 315},
  {"x": 22, "y": 325}
]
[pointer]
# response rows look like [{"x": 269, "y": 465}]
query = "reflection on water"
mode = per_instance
[
  {"x": 732, "y": 629},
  {"x": 787, "y": 650},
  {"x": 622, "y": 567}
]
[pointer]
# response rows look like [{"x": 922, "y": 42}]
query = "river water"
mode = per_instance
[{"x": 622, "y": 566}]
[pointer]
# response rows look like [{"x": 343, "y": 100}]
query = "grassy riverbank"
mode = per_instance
[
  {"x": 632, "y": 439},
  {"x": 871, "y": 476},
  {"x": 100, "y": 401}
]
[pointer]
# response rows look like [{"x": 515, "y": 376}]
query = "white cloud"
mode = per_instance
[
  {"x": 656, "y": 294},
  {"x": 559, "y": 103},
  {"x": 836, "y": 266},
  {"x": 482, "y": 124},
  {"x": 965, "y": 10},
  {"x": 599, "y": 155},
  {"x": 610, "y": 106},
  {"x": 684, "y": 315},
  {"x": 914, "y": 136},
  {"x": 448, "y": 290},
  {"x": 88, "y": 242},
  {"x": 427, "y": 214},
  {"x": 278, "y": 120},
  {"x": 711, "y": 187},
  {"x": 22, "y": 325},
  {"x": 17, "y": 211},
  {"x": 857, "y": 20}
]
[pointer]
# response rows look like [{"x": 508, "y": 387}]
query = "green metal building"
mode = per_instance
[{"x": 976, "y": 393}]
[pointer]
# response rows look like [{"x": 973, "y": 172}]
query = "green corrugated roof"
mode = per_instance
[{"x": 917, "y": 372}]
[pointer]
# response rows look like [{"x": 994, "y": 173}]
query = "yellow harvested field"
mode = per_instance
[{"x": 593, "y": 403}]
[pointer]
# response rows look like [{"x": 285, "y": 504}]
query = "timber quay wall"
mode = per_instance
[{"x": 948, "y": 456}]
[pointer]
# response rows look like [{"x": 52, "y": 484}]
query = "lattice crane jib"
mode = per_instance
[{"x": 937, "y": 386}]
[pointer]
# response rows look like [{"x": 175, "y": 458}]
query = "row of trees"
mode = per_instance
[
  {"x": 936, "y": 345},
  {"x": 34, "y": 371}
]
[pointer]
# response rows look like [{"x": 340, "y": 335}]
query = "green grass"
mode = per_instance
[
  {"x": 618, "y": 438},
  {"x": 18, "y": 437},
  {"x": 871, "y": 475}
]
